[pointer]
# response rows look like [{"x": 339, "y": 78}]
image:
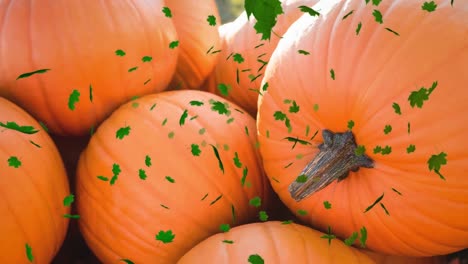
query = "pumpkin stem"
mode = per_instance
[{"x": 336, "y": 158}]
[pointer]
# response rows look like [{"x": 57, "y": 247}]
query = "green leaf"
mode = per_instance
[
  {"x": 256, "y": 201},
  {"x": 148, "y": 161},
  {"x": 146, "y": 59},
  {"x": 244, "y": 175},
  {"x": 196, "y": 150},
  {"x": 301, "y": 212},
  {"x": 228, "y": 241},
  {"x": 387, "y": 129},
  {"x": 375, "y": 202},
  {"x": 122, "y": 132},
  {"x": 294, "y": 108},
  {"x": 348, "y": 14},
  {"x": 211, "y": 20},
  {"x": 127, "y": 261},
  {"x": 220, "y": 162},
  {"x": 263, "y": 216},
  {"x": 220, "y": 107},
  {"x": 360, "y": 150},
  {"x": 237, "y": 161},
  {"x": 350, "y": 124},
  {"x": 224, "y": 227},
  {"x": 102, "y": 178},
  {"x": 327, "y": 205},
  {"x": 287, "y": 222},
  {"x": 429, "y": 6},
  {"x": 174, "y": 44},
  {"x": 304, "y": 52},
  {"x": 238, "y": 58},
  {"x": 142, "y": 174},
  {"x": 417, "y": 98},
  {"x": 411, "y": 148},
  {"x": 386, "y": 150},
  {"x": 255, "y": 259},
  {"x": 132, "y": 69},
  {"x": 23, "y": 129},
  {"x": 183, "y": 117},
  {"x": 90, "y": 93},
  {"x": 265, "y": 87},
  {"x": 29, "y": 253},
  {"x": 332, "y": 74},
  {"x": 278, "y": 115},
  {"x": 170, "y": 179},
  {"x": 167, "y": 12},
  {"x": 436, "y": 162},
  {"x": 71, "y": 216},
  {"x": 376, "y": 2},
  {"x": 351, "y": 239},
  {"x": 14, "y": 162},
  {"x": 266, "y": 13},
  {"x": 329, "y": 236},
  {"x": 301, "y": 178},
  {"x": 363, "y": 237},
  {"x": 378, "y": 16},
  {"x": 73, "y": 99},
  {"x": 67, "y": 201},
  {"x": 165, "y": 236},
  {"x": 27, "y": 74},
  {"x": 358, "y": 28},
  {"x": 120, "y": 52},
  {"x": 397, "y": 108},
  {"x": 309, "y": 10},
  {"x": 196, "y": 103},
  {"x": 224, "y": 89}
]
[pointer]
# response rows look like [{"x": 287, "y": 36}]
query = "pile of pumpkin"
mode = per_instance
[{"x": 352, "y": 112}]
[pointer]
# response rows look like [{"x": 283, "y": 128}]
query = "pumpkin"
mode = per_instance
[
  {"x": 33, "y": 187},
  {"x": 389, "y": 259},
  {"x": 166, "y": 171},
  {"x": 244, "y": 56},
  {"x": 70, "y": 64},
  {"x": 197, "y": 25},
  {"x": 273, "y": 242},
  {"x": 367, "y": 132}
]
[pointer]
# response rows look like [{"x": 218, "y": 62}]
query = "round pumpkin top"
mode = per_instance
[{"x": 383, "y": 87}]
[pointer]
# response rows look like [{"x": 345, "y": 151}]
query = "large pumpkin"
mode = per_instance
[
  {"x": 88, "y": 57},
  {"x": 367, "y": 131},
  {"x": 197, "y": 24},
  {"x": 166, "y": 171},
  {"x": 244, "y": 55},
  {"x": 273, "y": 242},
  {"x": 33, "y": 188}
]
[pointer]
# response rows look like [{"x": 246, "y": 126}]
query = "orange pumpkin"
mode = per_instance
[
  {"x": 389, "y": 259},
  {"x": 88, "y": 57},
  {"x": 33, "y": 187},
  {"x": 166, "y": 171},
  {"x": 197, "y": 25},
  {"x": 367, "y": 132},
  {"x": 273, "y": 242},
  {"x": 244, "y": 56}
]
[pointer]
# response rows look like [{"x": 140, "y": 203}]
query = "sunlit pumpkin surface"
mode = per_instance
[{"x": 394, "y": 73}]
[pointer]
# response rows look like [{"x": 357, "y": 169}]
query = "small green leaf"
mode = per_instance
[
  {"x": 23, "y": 129},
  {"x": 376, "y": 2},
  {"x": 133, "y": 69},
  {"x": 127, "y": 261},
  {"x": 429, "y": 6},
  {"x": 375, "y": 202},
  {"x": 244, "y": 175},
  {"x": 360, "y": 150},
  {"x": 195, "y": 150},
  {"x": 294, "y": 108},
  {"x": 256, "y": 201},
  {"x": 309, "y": 10},
  {"x": 211, "y": 20},
  {"x": 228, "y": 241},
  {"x": 350, "y": 124},
  {"x": 14, "y": 162},
  {"x": 67, "y": 201},
  {"x": 71, "y": 216},
  {"x": 287, "y": 222},
  {"x": 73, "y": 99},
  {"x": 237, "y": 161},
  {"x": 220, "y": 162},
  {"x": 183, "y": 117},
  {"x": 238, "y": 58},
  {"x": 348, "y": 14},
  {"x": 327, "y": 205},
  {"x": 397, "y": 108},
  {"x": 255, "y": 259},
  {"x": 417, "y": 98},
  {"x": 358, "y": 28},
  {"x": 387, "y": 129},
  {"x": 436, "y": 162},
  {"x": 329, "y": 236},
  {"x": 301, "y": 212},
  {"x": 378, "y": 16},
  {"x": 224, "y": 89},
  {"x": 120, "y": 52},
  {"x": 170, "y": 179},
  {"x": 122, "y": 132},
  {"x": 351, "y": 239},
  {"x": 196, "y": 103},
  {"x": 146, "y": 58},
  {"x": 174, "y": 44},
  {"x": 224, "y": 227},
  {"x": 148, "y": 161},
  {"x": 142, "y": 174},
  {"x": 301, "y": 178},
  {"x": 102, "y": 178},
  {"x": 386, "y": 150},
  {"x": 28, "y": 74},
  {"x": 220, "y": 107},
  {"x": 167, "y": 12},
  {"x": 29, "y": 253},
  {"x": 363, "y": 237},
  {"x": 217, "y": 199},
  {"x": 411, "y": 148},
  {"x": 332, "y": 74},
  {"x": 304, "y": 52},
  {"x": 165, "y": 236},
  {"x": 263, "y": 216}
]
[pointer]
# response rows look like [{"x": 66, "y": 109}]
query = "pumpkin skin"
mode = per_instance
[
  {"x": 373, "y": 70},
  {"x": 388, "y": 259},
  {"x": 196, "y": 38},
  {"x": 274, "y": 242},
  {"x": 239, "y": 36},
  {"x": 77, "y": 41},
  {"x": 121, "y": 220},
  {"x": 32, "y": 193}
]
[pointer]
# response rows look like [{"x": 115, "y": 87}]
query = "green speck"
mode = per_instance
[
  {"x": 360, "y": 150},
  {"x": 73, "y": 99},
  {"x": 183, "y": 117},
  {"x": 220, "y": 107},
  {"x": 350, "y": 124},
  {"x": 301, "y": 212},
  {"x": 348, "y": 14},
  {"x": 375, "y": 202},
  {"x": 294, "y": 108},
  {"x": 195, "y": 150},
  {"x": 167, "y": 12},
  {"x": 263, "y": 216},
  {"x": 309, "y": 10},
  {"x": 256, "y": 201},
  {"x": 28, "y": 74},
  {"x": 170, "y": 135},
  {"x": 332, "y": 74},
  {"x": 327, "y": 205},
  {"x": 120, "y": 52},
  {"x": 397, "y": 108},
  {"x": 71, "y": 216},
  {"x": 122, "y": 132},
  {"x": 29, "y": 253},
  {"x": 237, "y": 57},
  {"x": 142, "y": 174},
  {"x": 411, "y": 148},
  {"x": 350, "y": 240},
  {"x": 133, "y": 69},
  {"x": 165, "y": 236},
  {"x": 211, "y": 20},
  {"x": 358, "y": 28},
  {"x": 23, "y": 129},
  {"x": 378, "y": 16},
  {"x": 429, "y": 6},
  {"x": 417, "y": 98},
  {"x": 224, "y": 227},
  {"x": 14, "y": 162},
  {"x": 304, "y": 52},
  {"x": 363, "y": 237},
  {"x": 435, "y": 163},
  {"x": 170, "y": 179},
  {"x": 146, "y": 58},
  {"x": 224, "y": 89},
  {"x": 387, "y": 129},
  {"x": 67, "y": 201},
  {"x": 174, "y": 44},
  {"x": 255, "y": 259}
]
